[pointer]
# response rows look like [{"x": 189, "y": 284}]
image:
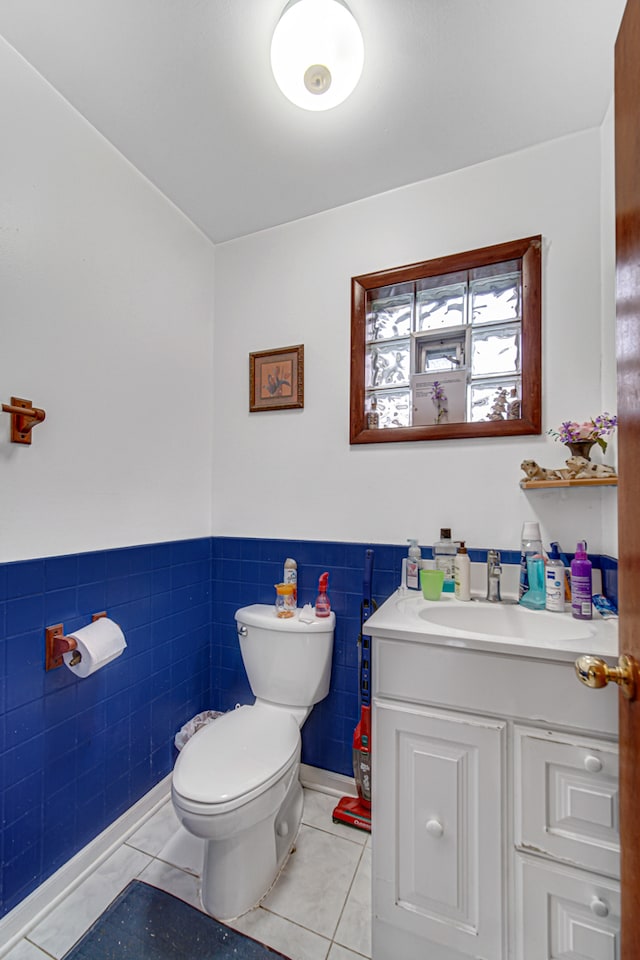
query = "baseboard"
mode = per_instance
[
  {"x": 335, "y": 784},
  {"x": 30, "y": 911}
]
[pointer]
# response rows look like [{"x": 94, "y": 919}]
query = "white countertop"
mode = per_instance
[{"x": 506, "y": 628}]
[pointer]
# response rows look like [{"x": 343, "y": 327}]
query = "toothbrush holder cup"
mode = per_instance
[{"x": 431, "y": 582}]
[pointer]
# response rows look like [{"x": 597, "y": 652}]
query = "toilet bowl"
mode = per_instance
[{"x": 236, "y": 781}]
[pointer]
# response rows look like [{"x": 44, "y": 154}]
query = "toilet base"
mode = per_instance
[{"x": 236, "y": 875}]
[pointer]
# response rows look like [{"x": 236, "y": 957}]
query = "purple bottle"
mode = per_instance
[{"x": 581, "y": 583}]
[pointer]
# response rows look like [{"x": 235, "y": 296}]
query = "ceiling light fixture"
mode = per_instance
[{"x": 317, "y": 53}]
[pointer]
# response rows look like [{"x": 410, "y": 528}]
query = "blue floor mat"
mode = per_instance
[{"x": 144, "y": 923}]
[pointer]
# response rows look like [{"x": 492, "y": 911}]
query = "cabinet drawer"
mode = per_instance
[
  {"x": 566, "y": 798},
  {"x": 565, "y": 913}
]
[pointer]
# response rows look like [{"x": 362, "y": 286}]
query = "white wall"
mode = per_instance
[
  {"x": 106, "y": 314},
  {"x": 106, "y": 320},
  {"x": 294, "y": 474}
]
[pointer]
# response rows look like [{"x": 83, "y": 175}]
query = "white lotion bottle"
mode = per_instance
[{"x": 462, "y": 573}]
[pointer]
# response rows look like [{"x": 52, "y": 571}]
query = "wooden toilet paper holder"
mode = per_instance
[{"x": 55, "y": 644}]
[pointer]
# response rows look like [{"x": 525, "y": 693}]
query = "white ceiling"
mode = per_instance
[{"x": 183, "y": 88}]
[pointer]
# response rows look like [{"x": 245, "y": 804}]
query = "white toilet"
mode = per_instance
[{"x": 235, "y": 782}]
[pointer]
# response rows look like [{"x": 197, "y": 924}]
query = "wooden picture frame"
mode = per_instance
[{"x": 276, "y": 379}]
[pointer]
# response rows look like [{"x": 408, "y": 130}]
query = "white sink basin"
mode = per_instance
[
  {"x": 492, "y": 627},
  {"x": 505, "y": 620}
]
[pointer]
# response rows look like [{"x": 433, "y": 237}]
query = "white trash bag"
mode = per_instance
[{"x": 192, "y": 726}]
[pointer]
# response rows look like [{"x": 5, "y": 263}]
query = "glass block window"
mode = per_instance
[{"x": 468, "y": 321}]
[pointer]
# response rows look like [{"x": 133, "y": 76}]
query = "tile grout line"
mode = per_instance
[{"x": 344, "y": 905}]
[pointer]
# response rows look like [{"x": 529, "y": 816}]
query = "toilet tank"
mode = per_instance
[{"x": 287, "y": 661}]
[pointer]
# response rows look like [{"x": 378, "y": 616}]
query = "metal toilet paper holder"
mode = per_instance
[{"x": 55, "y": 644}]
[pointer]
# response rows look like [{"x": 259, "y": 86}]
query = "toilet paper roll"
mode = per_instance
[{"x": 99, "y": 643}]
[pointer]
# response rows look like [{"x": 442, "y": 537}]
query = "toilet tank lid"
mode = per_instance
[
  {"x": 264, "y": 615},
  {"x": 235, "y": 754}
]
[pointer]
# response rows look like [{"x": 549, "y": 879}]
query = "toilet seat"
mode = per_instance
[{"x": 239, "y": 754}]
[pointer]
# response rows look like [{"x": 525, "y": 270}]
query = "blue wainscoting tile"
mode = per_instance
[
  {"x": 25, "y": 578},
  {"x": 60, "y": 572},
  {"x": 189, "y": 551},
  {"x": 25, "y": 675},
  {"x": 118, "y": 563},
  {"x": 92, "y": 567},
  {"x": 25, "y": 614},
  {"x": 60, "y": 605},
  {"x": 185, "y": 573},
  {"x": 161, "y": 555}
]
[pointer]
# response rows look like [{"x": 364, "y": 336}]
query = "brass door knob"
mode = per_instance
[{"x": 595, "y": 672}]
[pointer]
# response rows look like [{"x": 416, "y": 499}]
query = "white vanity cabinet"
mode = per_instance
[{"x": 495, "y": 812}]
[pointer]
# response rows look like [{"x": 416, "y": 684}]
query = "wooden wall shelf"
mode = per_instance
[{"x": 544, "y": 484}]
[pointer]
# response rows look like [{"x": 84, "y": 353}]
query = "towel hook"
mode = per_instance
[{"x": 24, "y": 417}]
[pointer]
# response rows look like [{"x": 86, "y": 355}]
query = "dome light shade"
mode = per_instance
[{"x": 317, "y": 53}]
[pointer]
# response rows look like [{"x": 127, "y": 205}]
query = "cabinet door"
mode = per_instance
[
  {"x": 564, "y": 913},
  {"x": 438, "y": 827}
]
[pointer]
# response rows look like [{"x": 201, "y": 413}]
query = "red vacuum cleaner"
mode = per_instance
[{"x": 356, "y": 811}]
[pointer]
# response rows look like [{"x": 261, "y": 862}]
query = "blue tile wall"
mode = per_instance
[{"x": 75, "y": 754}]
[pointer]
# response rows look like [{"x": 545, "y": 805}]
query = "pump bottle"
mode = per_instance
[
  {"x": 554, "y": 581},
  {"x": 462, "y": 573},
  {"x": 323, "y": 607},
  {"x": 413, "y": 566}
]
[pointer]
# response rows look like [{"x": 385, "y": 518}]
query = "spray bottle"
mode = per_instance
[
  {"x": 323, "y": 607},
  {"x": 291, "y": 576}
]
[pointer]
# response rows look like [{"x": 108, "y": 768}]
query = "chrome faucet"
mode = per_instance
[{"x": 494, "y": 572}]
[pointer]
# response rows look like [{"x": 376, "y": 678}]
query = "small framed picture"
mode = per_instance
[{"x": 276, "y": 379}]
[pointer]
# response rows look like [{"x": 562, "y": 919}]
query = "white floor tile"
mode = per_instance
[
  {"x": 341, "y": 953},
  {"x": 314, "y": 884},
  {"x": 184, "y": 851},
  {"x": 293, "y": 941},
  {"x": 182, "y": 885},
  {"x": 354, "y": 929},
  {"x": 71, "y": 918},
  {"x": 323, "y": 893},
  {"x": 154, "y": 833},
  {"x": 317, "y": 812},
  {"x": 25, "y": 951}
]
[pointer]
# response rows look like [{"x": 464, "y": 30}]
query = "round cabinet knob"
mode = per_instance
[
  {"x": 435, "y": 828},
  {"x": 593, "y": 764},
  {"x": 599, "y": 907}
]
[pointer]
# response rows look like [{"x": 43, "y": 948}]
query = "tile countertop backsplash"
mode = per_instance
[{"x": 88, "y": 749}]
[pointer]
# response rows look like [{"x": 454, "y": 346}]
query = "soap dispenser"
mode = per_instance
[
  {"x": 554, "y": 580},
  {"x": 412, "y": 581}
]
